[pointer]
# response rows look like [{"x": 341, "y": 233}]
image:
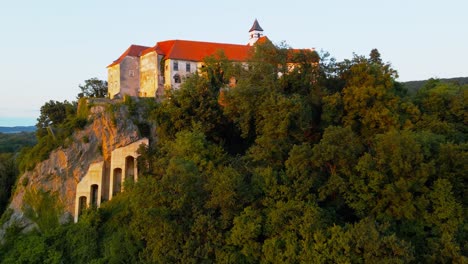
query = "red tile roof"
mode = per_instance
[
  {"x": 198, "y": 50},
  {"x": 263, "y": 39},
  {"x": 191, "y": 50},
  {"x": 133, "y": 51}
]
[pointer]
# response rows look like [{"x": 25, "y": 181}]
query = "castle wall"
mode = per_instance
[
  {"x": 113, "y": 80},
  {"x": 168, "y": 74},
  {"x": 94, "y": 177},
  {"x": 130, "y": 76},
  {"x": 161, "y": 76},
  {"x": 119, "y": 166},
  {"x": 148, "y": 75},
  {"x": 182, "y": 70}
]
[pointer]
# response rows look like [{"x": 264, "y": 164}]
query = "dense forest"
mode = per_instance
[
  {"x": 299, "y": 159},
  {"x": 414, "y": 86}
]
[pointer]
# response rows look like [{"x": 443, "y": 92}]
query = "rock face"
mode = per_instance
[{"x": 66, "y": 166}]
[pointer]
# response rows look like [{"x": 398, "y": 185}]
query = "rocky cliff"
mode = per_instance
[{"x": 109, "y": 127}]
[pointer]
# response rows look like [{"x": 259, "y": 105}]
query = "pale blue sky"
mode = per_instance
[{"x": 50, "y": 47}]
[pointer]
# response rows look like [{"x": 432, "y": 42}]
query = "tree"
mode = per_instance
[
  {"x": 53, "y": 113},
  {"x": 93, "y": 88},
  {"x": 8, "y": 172}
]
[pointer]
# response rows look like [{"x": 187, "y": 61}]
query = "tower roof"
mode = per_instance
[
  {"x": 256, "y": 26},
  {"x": 132, "y": 51}
]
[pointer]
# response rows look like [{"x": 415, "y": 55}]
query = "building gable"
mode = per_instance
[{"x": 132, "y": 51}]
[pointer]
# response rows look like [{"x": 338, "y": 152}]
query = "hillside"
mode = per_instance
[
  {"x": 414, "y": 86},
  {"x": 297, "y": 166},
  {"x": 67, "y": 164}
]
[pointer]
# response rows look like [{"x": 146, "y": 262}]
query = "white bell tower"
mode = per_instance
[{"x": 255, "y": 33}]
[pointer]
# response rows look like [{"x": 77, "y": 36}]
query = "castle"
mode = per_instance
[{"x": 148, "y": 71}]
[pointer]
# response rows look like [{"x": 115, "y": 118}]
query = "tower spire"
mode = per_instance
[{"x": 255, "y": 32}]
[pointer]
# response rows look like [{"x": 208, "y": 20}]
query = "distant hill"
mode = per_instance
[
  {"x": 17, "y": 129},
  {"x": 414, "y": 86}
]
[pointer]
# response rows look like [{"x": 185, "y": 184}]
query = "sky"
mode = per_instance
[{"x": 50, "y": 47}]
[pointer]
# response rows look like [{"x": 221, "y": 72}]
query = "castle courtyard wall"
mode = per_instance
[{"x": 98, "y": 184}]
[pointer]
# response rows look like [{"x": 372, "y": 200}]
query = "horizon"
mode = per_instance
[
  {"x": 54, "y": 46},
  {"x": 15, "y": 122}
]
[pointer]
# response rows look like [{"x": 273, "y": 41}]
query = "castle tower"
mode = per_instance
[{"x": 255, "y": 32}]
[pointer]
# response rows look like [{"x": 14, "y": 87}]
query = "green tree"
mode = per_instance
[
  {"x": 443, "y": 107},
  {"x": 93, "y": 88},
  {"x": 53, "y": 114},
  {"x": 366, "y": 241},
  {"x": 370, "y": 101}
]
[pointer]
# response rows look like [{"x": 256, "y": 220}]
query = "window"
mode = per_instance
[
  {"x": 81, "y": 205},
  {"x": 94, "y": 195},
  {"x": 131, "y": 73},
  {"x": 177, "y": 78},
  {"x": 187, "y": 67},
  {"x": 176, "y": 66}
]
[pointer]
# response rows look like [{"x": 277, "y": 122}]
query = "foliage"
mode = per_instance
[
  {"x": 8, "y": 173},
  {"x": 43, "y": 208},
  {"x": 56, "y": 124},
  {"x": 93, "y": 88},
  {"x": 11, "y": 143},
  {"x": 414, "y": 86},
  {"x": 312, "y": 162}
]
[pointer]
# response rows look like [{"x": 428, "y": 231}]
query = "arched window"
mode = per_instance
[
  {"x": 177, "y": 78},
  {"x": 117, "y": 181},
  {"x": 81, "y": 205},
  {"x": 94, "y": 195},
  {"x": 130, "y": 168}
]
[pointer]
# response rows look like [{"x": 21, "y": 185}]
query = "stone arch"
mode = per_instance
[
  {"x": 117, "y": 181},
  {"x": 82, "y": 204},
  {"x": 130, "y": 165}
]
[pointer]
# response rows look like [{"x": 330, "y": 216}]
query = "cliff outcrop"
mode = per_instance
[{"x": 109, "y": 127}]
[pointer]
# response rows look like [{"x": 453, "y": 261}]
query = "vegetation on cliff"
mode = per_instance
[
  {"x": 322, "y": 162},
  {"x": 10, "y": 144}
]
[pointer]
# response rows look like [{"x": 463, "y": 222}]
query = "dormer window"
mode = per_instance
[{"x": 176, "y": 66}]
